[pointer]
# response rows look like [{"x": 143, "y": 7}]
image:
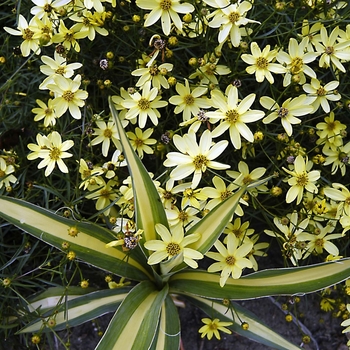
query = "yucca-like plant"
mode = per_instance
[{"x": 145, "y": 313}]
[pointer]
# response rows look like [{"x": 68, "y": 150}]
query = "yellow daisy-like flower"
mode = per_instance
[
  {"x": 144, "y": 105},
  {"x": 140, "y": 141},
  {"x": 260, "y": 63},
  {"x": 173, "y": 244},
  {"x": 323, "y": 93},
  {"x": 194, "y": 158},
  {"x": 26, "y": 31},
  {"x": 166, "y": 11},
  {"x": 231, "y": 260},
  {"x": 302, "y": 179},
  {"x": 330, "y": 130},
  {"x": 339, "y": 193},
  {"x": 339, "y": 158},
  {"x": 46, "y": 112},
  {"x": 68, "y": 95},
  {"x": 234, "y": 114},
  {"x": 189, "y": 102},
  {"x": 6, "y": 170},
  {"x": 290, "y": 109},
  {"x": 212, "y": 327},
  {"x": 54, "y": 152}
]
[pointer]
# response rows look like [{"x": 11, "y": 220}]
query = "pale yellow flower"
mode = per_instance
[
  {"x": 302, "y": 179},
  {"x": 6, "y": 173},
  {"x": 329, "y": 131},
  {"x": 173, "y": 243},
  {"x": 166, "y": 11},
  {"x": 140, "y": 141},
  {"x": 339, "y": 158},
  {"x": 47, "y": 8},
  {"x": 231, "y": 260},
  {"x": 339, "y": 193},
  {"x": 212, "y": 327},
  {"x": 46, "y": 112}
]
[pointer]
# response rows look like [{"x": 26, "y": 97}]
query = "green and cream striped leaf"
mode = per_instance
[
  {"x": 148, "y": 206},
  {"x": 69, "y": 310},
  {"x": 257, "y": 330},
  {"x": 168, "y": 336},
  {"x": 283, "y": 281},
  {"x": 89, "y": 245},
  {"x": 134, "y": 325}
]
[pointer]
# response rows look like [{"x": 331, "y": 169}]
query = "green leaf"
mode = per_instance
[
  {"x": 257, "y": 330},
  {"x": 69, "y": 310},
  {"x": 135, "y": 323},
  {"x": 168, "y": 336},
  {"x": 89, "y": 245},
  {"x": 213, "y": 224},
  {"x": 148, "y": 206},
  {"x": 283, "y": 281}
]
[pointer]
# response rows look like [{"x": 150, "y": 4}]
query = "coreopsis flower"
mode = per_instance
[
  {"x": 229, "y": 18},
  {"x": 155, "y": 74},
  {"x": 68, "y": 95},
  {"x": 296, "y": 61},
  {"x": 117, "y": 101},
  {"x": 339, "y": 193},
  {"x": 47, "y": 8},
  {"x": 239, "y": 229},
  {"x": 302, "y": 179},
  {"x": 290, "y": 109},
  {"x": 323, "y": 93},
  {"x": 332, "y": 52},
  {"x": 330, "y": 131},
  {"x": 209, "y": 69},
  {"x": 144, "y": 105},
  {"x": 46, "y": 112},
  {"x": 190, "y": 197},
  {"x": 257, "y": 250},
  {"x": 56, "y": 66},
  {"x": 117, "y": 161},
  {"x": 186, "y": 217},
  {"x": 189, "y": 102},
  {"x": 320, "y": 240},
  {"x": 91, "y": 23},
  {"x": 213, "y": 326},
  {"x": 89, "y": 174},
  {"x": 42, "y": 143},
  {"x": 339, "y": 158},
  {"x": 244, "y": 177},
  {"x": 292, "y": 235},
  {"x": 140, "y": 141},
  {"x": 52, "y": 151},
  {"x": 311, "y": 34},
  {"x": 6, "y": 173},
  {"x": 69, "y": 37},
  {"x": 43, "y": 30},
  {"x": 231, "y": 260},
  {"x": 26, "y": 31},
  {"x": 106, "y": 132},
  {"x": 260, "y": 63},
  {"x": 172, "y": 244},
  {"x": 346, "y": 323},
  {"x": 166, "y": 11},
  {"x": 194, "y": 158},
  {"x": 234, "y": 114},
  {"x": 104, "y": 194}
]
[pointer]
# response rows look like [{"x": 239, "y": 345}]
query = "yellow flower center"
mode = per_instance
[
  {"x": 105, "y": 193},
  {"x": 297, "y": 65},
  {"x": 262, "y": 62},
  {"x": 47, "y": 8},
  {"x": 237, "y": 232},
  {"x": 143, "y": 104},
  {"x": 153, "y": 71},
  {"x": 28, "y": 34},
  {"x": 107, "y": 133},
  {"x": 173, "y": 249},
  {"x": 319, "y": 242},
  {"x": 86, "y": 22},
  {"x": 233, "y": 17},
  {"x": 331, "y": 126},
  {"x": 86, "y": 173},
  {"x": 283, "y": 112},
  {"x": 165, "y": 5},
  {"x": 69, "y": 36},
  {"x": 188, "y": 193},
  {"x": 68, "y": 96},
  {"x": 55, "y": 153},
  {"x": 329, "y": 50},
  {"x": 2, "y": 173},
  {"x": 225, "y": 194},
  {"x": 247, "y": 180},
  {"x": 138, "y": 142},
  {"x": 213, "y": 326},
  {"x": 183, "y": 216},
  {"x": 189, "y": 99},
  {"x": 200, "y": 161},
  {"x": 232, "y": 116},
  {"x": 60, "y": 70},
  {"x": 321, "y": 91},
  {"x": 302, "y": 179},
  {"x": 347, "y": 201},
  {"x": 230, "y": 260}
]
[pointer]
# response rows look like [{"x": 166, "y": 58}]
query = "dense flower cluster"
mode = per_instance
[{"x": 212, "y": 100}]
